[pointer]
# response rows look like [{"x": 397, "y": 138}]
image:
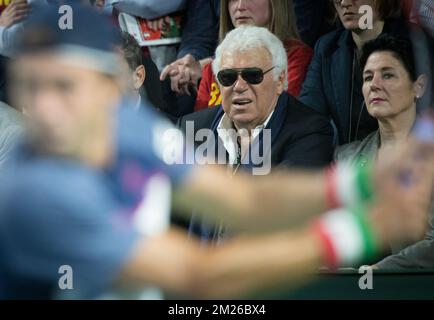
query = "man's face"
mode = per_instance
[
  {"x": 65, "y": 104},
  {"x": 348, "y": 12},
  {"x": 248, "y": 105}
]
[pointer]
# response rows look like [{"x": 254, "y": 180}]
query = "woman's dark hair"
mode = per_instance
[{"x": 400, "y": 47}]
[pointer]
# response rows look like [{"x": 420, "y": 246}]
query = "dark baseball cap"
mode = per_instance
[{"x": 76, "y": 32}]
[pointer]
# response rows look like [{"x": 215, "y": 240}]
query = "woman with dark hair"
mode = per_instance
[
  {"x": 334, "y": 79},
  {"x": 392, "y": 88}
]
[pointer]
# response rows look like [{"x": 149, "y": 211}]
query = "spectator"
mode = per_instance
[
  {"x": 199, "y": 40},
  {"x": 145, "y": 84},
  {"x": 202, "y": 23},
  {"x": 147, "y": 9},
  {"x": 392, "y": 88},
  {"x": 283, "y": 25},
  {"x": 334, "y": 79},
  {"x": 300, "y": 137}
]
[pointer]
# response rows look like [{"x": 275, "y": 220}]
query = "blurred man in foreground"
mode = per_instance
[{"x": 97, "y": 192}]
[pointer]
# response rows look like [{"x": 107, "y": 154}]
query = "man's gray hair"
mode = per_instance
[{"x": 246, "y": 38}]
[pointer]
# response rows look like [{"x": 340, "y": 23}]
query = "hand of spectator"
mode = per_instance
[
  {"x": 184, "y": 74},
  {"x": 14, "y": 13},
  {"x": 158, "y": 24},
  {"x": 404, "y": 189}
]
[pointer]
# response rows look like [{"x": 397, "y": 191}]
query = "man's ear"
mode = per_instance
[
  {"x": 420, "y": 85},
  {"x": 139, "y": 76},
  {"x": 281, "y": 83}
]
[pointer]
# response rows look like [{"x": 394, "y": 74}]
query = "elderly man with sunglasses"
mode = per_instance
[
  {"x": 250, "y": 66},
  {"x": 258, "y": 126}
]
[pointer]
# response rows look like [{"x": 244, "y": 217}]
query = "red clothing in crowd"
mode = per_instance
[{"x": 299, "y": 56}]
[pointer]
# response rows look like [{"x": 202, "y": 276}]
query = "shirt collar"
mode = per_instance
[{"x": 228, "y": 134}]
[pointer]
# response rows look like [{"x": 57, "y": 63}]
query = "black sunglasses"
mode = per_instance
[{"x": 227, "y": 77}]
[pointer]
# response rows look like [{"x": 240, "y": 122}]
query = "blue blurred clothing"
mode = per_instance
[{"x": 56, "y": 211}]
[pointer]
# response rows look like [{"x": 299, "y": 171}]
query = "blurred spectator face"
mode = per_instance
[
  {"x": 387, "y": 86},
  {"x": 248, "y": 105},
  {"x": 100, "y": 3},
  {"x": 252, "y": 12},
  {"x": 132, "y": 65},
  {"x": 65, "y": 103},
  {"x": 348, "y": 12}
]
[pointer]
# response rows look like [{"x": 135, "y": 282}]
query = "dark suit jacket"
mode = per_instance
[{"x": 300, "y": 136}]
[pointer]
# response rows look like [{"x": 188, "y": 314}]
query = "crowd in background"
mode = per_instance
[{"x": 329, "y": 89}]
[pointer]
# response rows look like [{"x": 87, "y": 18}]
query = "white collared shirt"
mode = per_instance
[{"x": 228, "y": 134}]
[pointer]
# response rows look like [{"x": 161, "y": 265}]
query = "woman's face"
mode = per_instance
[
  {"x": 348, "y": 12},
  {"x": 251, "y": 12},
  {"x": 387, "y": 87}
]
